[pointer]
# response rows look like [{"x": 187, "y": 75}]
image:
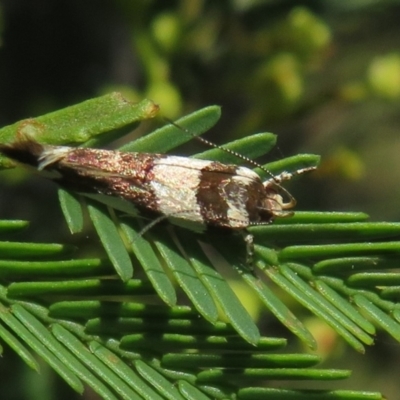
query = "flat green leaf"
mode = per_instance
[
  {"x": 8, "y": 226},
  {"x": 325, "y": 306},
  {"x": 111, "y": 240},
  {"x": 289, "y": 164},
  {"x": 156, "y": 380},
  {"x": 169, "y": 136},
  {"x": 38, "y": 270},
  {"x": 373, "y": 279},
  {"x": 162, "y": 329},
  {"x": 44, "y": 336},
  {"x": 322, "y": 232},
  {"x": 313, "y": 306},
  {"x": 19, "y": 348},
  {"x": 266, "y": 254},
  {"x": 237, "y": 360},
  {"x": 378, "y": 316},
  {"x": 190, "y": 392},
  {"x": 87, "y": 363},
  {"x": 220, "y": 392},
  {"x": 41, "y": 349},
  {"x": 126, "y": 373},
  {"x": 187, "y": 278},
  {"x": 171, "y": 342},
  {"x": 306, "y": 217},
  {"x": 344, "y": 306},
  {"x": 25, "y": 250},
  {"x": 222, "y": 293},
  {"x": 279, "y": 309},
  {"x": 72, "y": 210},
  {"x": 250, "y": 146},
  {"x": 122, "y": 326},
  {"x": 339, "y": 250},
  {"x": 80, "y": 122},
  {"x": 346, "y": 265},
  {"x": 86, "y": 288},
  {"x": 86, "y": 309},
  {"x": 150, "y": 262},
  {"x": 256, "y": 393},
  {"x": 99, "y": 368},
  {"x": 339, "y": 286},
  {"x": 221, "y": 376},
  {"x": 390, "y": 293}
]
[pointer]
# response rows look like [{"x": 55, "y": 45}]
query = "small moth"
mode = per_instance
[{"x": 192, "y": 193}]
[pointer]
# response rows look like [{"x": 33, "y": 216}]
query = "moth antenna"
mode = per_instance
[
  {"x": 216, "y": 146},
  {"x": 286, "y": 176},
  {"x": 277, "y": 179}
]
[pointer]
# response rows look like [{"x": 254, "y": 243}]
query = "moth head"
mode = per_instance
[{"x": 274, "y": 202}]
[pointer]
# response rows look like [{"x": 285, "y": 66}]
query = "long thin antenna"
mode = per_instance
[
  {"x": 228, "y": 151},
  {"x": 277, "y": 179}
]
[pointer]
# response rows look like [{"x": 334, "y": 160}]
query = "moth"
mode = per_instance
[{"x": 189, "y": 192}]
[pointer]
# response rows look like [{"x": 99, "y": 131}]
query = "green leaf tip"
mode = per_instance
[{"x": 80, "y": 122}]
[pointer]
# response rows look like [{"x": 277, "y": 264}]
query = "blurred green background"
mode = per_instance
[{"x": 323, "y": 75}]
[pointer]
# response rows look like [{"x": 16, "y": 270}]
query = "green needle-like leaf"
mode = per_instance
[
  {"x": 111, "y": 240},
  {"x": 127, "y": 374},
  {"x": 219, "y": 289},
  {"x": 168, "y": 137},
  {"x": 127, "y": 338},
  {"x": 156, "y": 380},
  {"x": 72, "y": 210},
  {"x": 150, "y": 263},
  {"x": 40, "y": 348},
  {"x": 252, "y": 147},
  {"x": 187, "y": 278},
  {"x": 19, "y": 348},
  {"x": 85, "y": 368},
  {"x": 81, "y": 122}
]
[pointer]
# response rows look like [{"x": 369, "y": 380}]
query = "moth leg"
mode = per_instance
[
  {"x": 249, "y": 240},
  {"x": 160, "y": 219},
  {"x": 152, "y": 223}
]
